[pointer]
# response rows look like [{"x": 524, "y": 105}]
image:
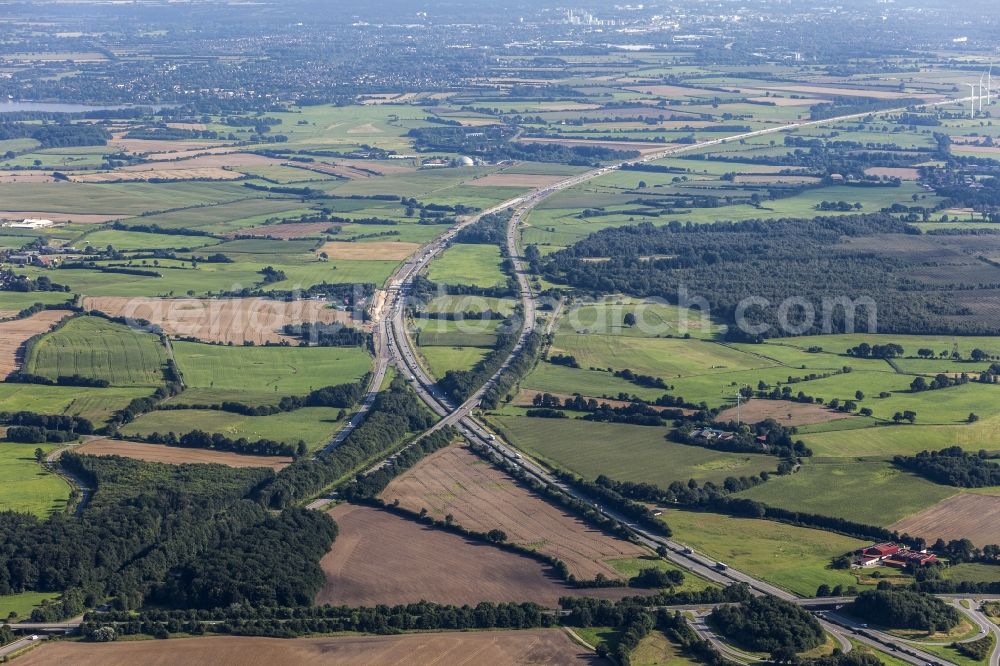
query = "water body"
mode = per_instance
[{"x": 11, "y": 106}]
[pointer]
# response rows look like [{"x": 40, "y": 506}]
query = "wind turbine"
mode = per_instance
[
  {"x": 981, "y": 78},
  {"x": 989, "y": 84},
  {"x": 972, "y": 100}
]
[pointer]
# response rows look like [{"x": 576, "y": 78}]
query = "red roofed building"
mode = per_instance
[{"x": 881, "y": 550}]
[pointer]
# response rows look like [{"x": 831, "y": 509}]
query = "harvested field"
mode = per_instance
[
  {"x": 382, "y": 558},
  {"x": 481, "y": 497},
  {"x": 535, "y": 646},
  {"x": 963, "y": 516},
  {"x": 15, "y": 333},
  {"x": 285, "y": 231},
  {"x": 176, "y": 455},
  {"x": 121, "y": 176},
  {"x": 785, "y": 413},
  {"x": 26, "y": 177},
  {"x": 375, "y": 250},
  {"x": 208, "y": 160},
  {"x": 235, "y": 320},
  {"x": 58, "y": 217},
  {"x": 516, "y": 180},
  {"x": 643, "y": 147},
  {"x": 903, "y": 173}
]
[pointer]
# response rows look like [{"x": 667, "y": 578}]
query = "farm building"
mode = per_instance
[{"x": 892, "y": 555}]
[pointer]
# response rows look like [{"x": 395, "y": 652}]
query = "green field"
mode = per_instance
[
  {"x": 904, "y": 439},
  {"x": 858, "y": 490},
  {"x": 477, "y": 265},
  {"x": 263, "y": 374},
  {"x": 794, "y": 558},
  {"x": 625, "y": 452},
  {"x": 974, "y": 573},
  {"x": 25, "y": 485},
  {"x": 23, "y": 603},
  {"x": 314, "y": 425},
  {"x": 443, "y": 359},
  {"x": 96, "y": 404},
  {"x": 17, "y": 300},
  {"x": 631, "y": 566},
  {"x": 96, "y": 348}
]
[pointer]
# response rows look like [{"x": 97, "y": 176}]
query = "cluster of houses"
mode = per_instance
[
  {"x": 713, "y": 434},
  {"x": 891, "y": 555}
]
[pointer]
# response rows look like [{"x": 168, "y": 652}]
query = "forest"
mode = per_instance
[
  {"x": 953, "y": 467},
  {"x": 904, "y": 609},
  {"x": 728, "y": 263},
  {"x": 768, "y": 624}
]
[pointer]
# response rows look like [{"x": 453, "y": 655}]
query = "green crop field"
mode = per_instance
[
  {"x": 265, "y": 373},
  {"x": 133, "y": 240},
  {"x": 794, "y": 558},
  {"x": 96, "y": 404},
  {"x": 314, "y": 425},
  {"x": 443, "y": 359},
  {"x": 477, "y": 265},
  {"x": 866, "y": 491},
  {"x": 17, "y": 300},
  {"x": 27, "y": 486},
  {"x": 625, "y": 452},
  {"x": 667, "y": 357},
  {"x": 96, "y": 348},
  {"x": 904, "y": 439}
]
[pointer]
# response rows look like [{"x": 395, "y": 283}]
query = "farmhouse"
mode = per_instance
[
  {"x": 712, "y": 433},
  {"x": 892, "y": 555}
]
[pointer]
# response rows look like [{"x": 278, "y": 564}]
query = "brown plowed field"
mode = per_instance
[
  {"x": 784, "y": 412},
  {"x": 176, "y": 455},
  {"x": 219, "y": 320},
  {"x": 963, "y": 516},
  {"x": 481, "y": 497},
  {"x": 382, "y": 558},
  {"x": 374, "y": 250},
  {"x": 15, "y": 333},
  {"x": 537, "y": 646}
]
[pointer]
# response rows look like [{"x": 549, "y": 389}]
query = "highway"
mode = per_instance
[
  {"x": 400, "y": 349},
  {"x": 393, "y": 346}
]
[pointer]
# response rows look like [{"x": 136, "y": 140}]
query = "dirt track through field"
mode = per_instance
[
  {"x": 15, "y": 333},
  {"x": 963, "y": 516},
  {"x": 176, "y": 455},
  {"x": 225, "y": 320},
  {"x": 379, "y": 557},
  {"x": 536, "y": 646},
  {"x": 481, "y": 497}
]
